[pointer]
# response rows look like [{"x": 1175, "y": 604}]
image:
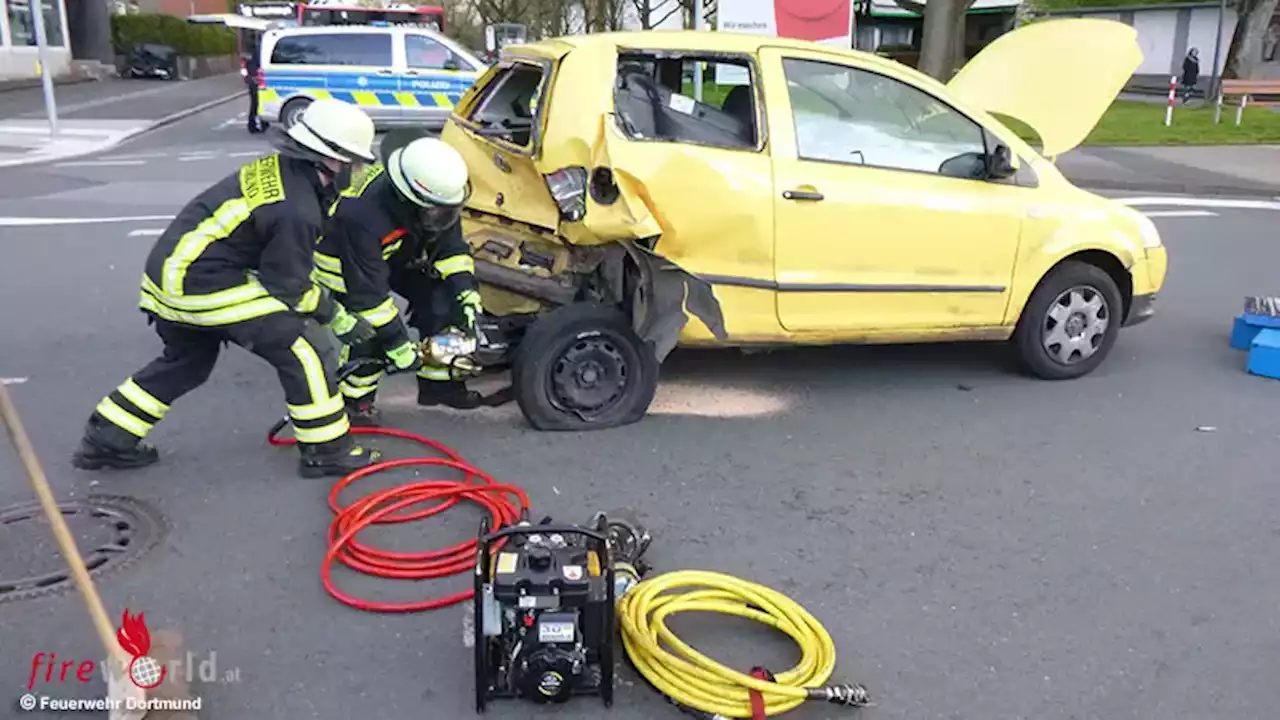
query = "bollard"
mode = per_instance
[
  {"x": 1173, "y": 94},
  {"x": 1244, "y": 100},
  {"x": 1217, "y": 107}
]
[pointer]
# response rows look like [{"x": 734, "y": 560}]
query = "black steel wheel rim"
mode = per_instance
[{"x": 589, "y": 376}]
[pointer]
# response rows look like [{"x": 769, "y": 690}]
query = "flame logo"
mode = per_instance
[{"x": 145, "y": 672}]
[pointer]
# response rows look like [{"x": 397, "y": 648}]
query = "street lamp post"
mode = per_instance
[{"x": 42, "y": 57}]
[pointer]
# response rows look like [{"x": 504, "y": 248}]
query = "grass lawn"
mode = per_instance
[{"x": 1131, "y": 122}]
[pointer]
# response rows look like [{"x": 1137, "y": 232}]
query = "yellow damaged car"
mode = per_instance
[{"x": 637, "y": 191}]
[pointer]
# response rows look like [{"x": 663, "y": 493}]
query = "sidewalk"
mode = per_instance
[
  {"x": 1251, "y": 170},
  {"x": 96, "y": 116}
]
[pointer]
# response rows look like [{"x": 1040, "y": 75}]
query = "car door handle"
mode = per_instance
[
  {"x": 412, "y": 72},
  {"x": 385, "y": 72},
  {"x": 802, "y": 195}
]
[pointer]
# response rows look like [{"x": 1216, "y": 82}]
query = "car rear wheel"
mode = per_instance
[
  {"x": 1070, "y": 322},
  {"x": 292, "y": 111},
  {"x": 582, "y": 367}
]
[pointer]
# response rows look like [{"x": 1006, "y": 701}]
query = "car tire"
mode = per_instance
[
  {"x": 293, "y": 110},
  {"x": 582, "y": 367},
  {"x": 1069, "y": 323}
]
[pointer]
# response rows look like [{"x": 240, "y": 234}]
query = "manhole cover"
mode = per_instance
[{"x": 111, "y": 533}]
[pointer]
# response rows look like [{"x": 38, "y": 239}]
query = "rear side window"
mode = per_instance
[
  {"x": 366, "y": 49},
  {"x": 508, "y": 105},
  {"x": 656, "y": 100}
]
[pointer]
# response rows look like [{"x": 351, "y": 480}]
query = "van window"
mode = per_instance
[
  {"x": 364, "y": 49},
  {"x": 510, "y": 102},
  {"x": 424, "y": 53}
]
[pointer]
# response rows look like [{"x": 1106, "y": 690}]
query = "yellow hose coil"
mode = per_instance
[{"x": 693, "y": 679}]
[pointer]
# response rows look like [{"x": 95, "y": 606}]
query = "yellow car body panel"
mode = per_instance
[{"x": 887, "y": 255}]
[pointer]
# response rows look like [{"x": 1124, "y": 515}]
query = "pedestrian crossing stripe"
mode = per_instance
[{"x": 366, "y": 98}]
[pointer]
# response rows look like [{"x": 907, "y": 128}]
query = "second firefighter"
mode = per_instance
[{"x": 398, "y": 230}]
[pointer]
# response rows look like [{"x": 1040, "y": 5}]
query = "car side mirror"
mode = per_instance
[
  {"x": 452, "y": 64},
  {"x": 969, "y": 166},
  {"x": 1000, "y": 163}
]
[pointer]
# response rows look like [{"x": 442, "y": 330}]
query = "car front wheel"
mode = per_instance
[
  {"x": 1070, "y": 322},
  {"x": 582, "y": 367}
]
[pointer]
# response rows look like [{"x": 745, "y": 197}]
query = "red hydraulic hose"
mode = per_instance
[{"x": 393, "y": 506}]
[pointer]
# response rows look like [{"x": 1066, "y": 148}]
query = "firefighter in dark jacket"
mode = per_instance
[
  {"x": 399, "y": 231},
  {"x": 235, "y": 266}
]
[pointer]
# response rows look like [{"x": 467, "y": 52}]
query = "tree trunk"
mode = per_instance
[
  {"x": 1246, "y": 42},
  {"x": 938, "y": 38}
]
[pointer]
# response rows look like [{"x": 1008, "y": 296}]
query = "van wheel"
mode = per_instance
[
  {"x": 582, "y": 367},
  {"x": 292, "y": 111},
  {"x": 1070, "y": 322}
]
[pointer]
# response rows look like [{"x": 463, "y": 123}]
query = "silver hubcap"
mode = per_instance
[{"x": 1075, "y": 325}]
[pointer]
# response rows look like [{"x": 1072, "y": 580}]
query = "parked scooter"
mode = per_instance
[{"x": 153, "y": 60}]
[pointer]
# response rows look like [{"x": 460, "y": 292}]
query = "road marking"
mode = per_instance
[
  {"x": 138, "y": 156},
  {"x": 194, "y": 158},
  {"x": 12, "y": 381},
  {"x": 1202, "y": 202},
  {"x": 100, "y": 163},
  {"x": 144, "y": 232},
  {"x": 34, "y": 221},
  {"x": 1180, "y": 213},
  {"x": 255, "y": 153}
]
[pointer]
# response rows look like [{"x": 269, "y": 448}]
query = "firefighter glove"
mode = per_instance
[
  {"x": 351, "y": 329},
  {"x": 406, "y": 357},
  {"x": 470, "y": 304}
]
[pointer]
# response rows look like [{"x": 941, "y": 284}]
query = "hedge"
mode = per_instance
[{"x": 187, "y": 38}]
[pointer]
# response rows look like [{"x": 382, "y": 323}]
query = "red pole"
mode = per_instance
[{"x": 1173, "y": 93}]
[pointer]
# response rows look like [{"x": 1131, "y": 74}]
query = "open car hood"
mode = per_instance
[{"x": 1058, "y": 76}]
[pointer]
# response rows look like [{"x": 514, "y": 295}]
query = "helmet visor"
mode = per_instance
[{"x": 436, "y": 217}]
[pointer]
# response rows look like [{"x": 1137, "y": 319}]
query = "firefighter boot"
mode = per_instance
[
  {"x": 336, "y": 458},
  {"x": 106, "y": 446},
  {"x": 362, "y": 412},
  {"x": 453, "y": 393}
]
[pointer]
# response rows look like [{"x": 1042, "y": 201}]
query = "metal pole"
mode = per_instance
[
  {"x": 42, "y": 57},
  {"x": 697, "y": 66},
  {"x": 1217, "y": 49}
]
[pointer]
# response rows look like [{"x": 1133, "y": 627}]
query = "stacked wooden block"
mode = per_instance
[{"x": 1257, "y": 330}]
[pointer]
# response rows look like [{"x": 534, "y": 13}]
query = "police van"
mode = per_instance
[{"x": 400, "y": 75}]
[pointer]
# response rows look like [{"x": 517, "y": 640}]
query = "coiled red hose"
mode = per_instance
[{"x": 393, "y": 505}]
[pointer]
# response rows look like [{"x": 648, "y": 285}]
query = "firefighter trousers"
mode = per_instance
[
  {"x": 297, "y": 349},
  {"x": 431, "y": 310}
]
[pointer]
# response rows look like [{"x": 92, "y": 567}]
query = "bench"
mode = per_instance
[{"x": 1246, "y": 90}]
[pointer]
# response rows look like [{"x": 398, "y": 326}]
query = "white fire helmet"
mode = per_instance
[
  {"x": 432, "y": 175},
  {"x": 336, "y": 130}
]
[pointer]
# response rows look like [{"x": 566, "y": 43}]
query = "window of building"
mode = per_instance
[
  {"x": 656, "y": 100},
  {"x": 362, "y": 49},
  {"x": 846, "y": 115},
  {"x": 22, "y": 29}
]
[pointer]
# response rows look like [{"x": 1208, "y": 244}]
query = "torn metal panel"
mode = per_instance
[{"x": 669, "y": 294}]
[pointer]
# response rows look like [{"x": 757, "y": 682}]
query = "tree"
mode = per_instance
[
  {"x": 942, "y": 40},
  {"x": 1253, "y": 17},
  {"x": 653, "y": 13}
]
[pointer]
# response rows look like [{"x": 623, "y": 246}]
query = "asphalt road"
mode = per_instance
[{"x": 980, "y": 545}]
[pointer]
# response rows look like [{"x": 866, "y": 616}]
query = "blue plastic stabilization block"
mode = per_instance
[
  {"x": 1247, "y": 326},
  {"x": 1264, "y": 354}
]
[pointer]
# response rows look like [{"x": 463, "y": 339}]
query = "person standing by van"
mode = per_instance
[{"x": 251, "y": 69}]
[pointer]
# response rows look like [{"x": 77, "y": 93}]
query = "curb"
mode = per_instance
[
  {"x": 124, "y": 137},
  {"x": 1177, "y": 188}
]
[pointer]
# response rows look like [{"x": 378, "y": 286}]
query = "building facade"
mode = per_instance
[
  {"x": 18, "y": 56},
  {"x": 1166, "y": 32}
]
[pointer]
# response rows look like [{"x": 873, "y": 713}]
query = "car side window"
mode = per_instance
[
  {"x": 361, "y": 49},
  {"x": 847, "y": 115},
  {"x": 424, "y": 53},
  {"x": 656, "y": 100},
  {"x": 508, "y": 104}
]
